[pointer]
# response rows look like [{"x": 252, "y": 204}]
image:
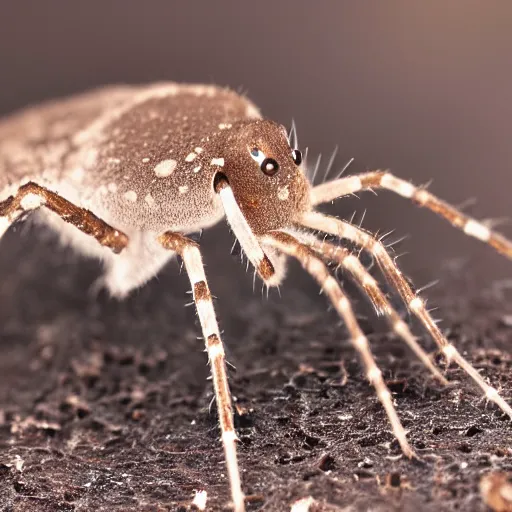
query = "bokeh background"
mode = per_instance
[{"x": 423, "y": 88}]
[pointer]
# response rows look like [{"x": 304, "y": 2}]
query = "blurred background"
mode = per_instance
[{"x": 423, "y": 88}]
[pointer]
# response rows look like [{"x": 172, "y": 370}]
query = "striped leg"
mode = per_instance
[
  {"x": 371, "y": 289},
  {"x": 189, "y": 252},
  {"x": 415, "y": 304},
  {"x": 318, "y": 269},
  {"x": 32, "y": 196},
  {"x": 383, "y": 179}
]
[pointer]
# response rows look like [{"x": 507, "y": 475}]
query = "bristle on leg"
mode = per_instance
[
  {"x": 375, "y": 180},
  {"x": 189, "y": 252},
  {"x": 371, "y": 289},
  {"x": 317, "y": 268},
  {"x": 416, "y": 305}
]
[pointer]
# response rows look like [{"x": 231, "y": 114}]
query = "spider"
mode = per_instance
[{"x": 138, "y": 168}]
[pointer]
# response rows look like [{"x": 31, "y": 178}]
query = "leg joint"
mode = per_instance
[
  {"x": 201, "y": 291},
  {"x": 214, "y": 345},
  {"x": 176, "y": 242}
]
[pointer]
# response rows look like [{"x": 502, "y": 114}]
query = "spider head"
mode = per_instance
[{"x": 265, "y": 175}]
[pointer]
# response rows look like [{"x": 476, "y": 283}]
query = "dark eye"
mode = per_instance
[
  {"x": 297, "y": 156},
  {"x": 269, "y": 166}
]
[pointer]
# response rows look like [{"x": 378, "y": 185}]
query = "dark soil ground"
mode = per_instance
[{"x": 105, "y": 406}]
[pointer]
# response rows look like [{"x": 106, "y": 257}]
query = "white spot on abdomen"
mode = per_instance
[
  {"x": 183, "y": 189},
  {"x": 131, "y": 196},
  {"x": 201, "y": 90},
  {"x": 149, "y": 200},
  {"x": 165, "y": 168},
  {"x": 190, "y": 157},
  {"x": 252, "y": 112},
  {"x": 90, "y": 158},
  {"x": 218, "y": 161}
]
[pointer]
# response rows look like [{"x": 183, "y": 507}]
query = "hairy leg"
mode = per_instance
[
  {"x": 416, "y": 305},
  {"x": 370, "y": 288},
  {"x": 189, "y": 252},
  {"x": 382, "y": 179},
  {"x": 317, "y": 268},
  {"x": 32, "y": 196}
]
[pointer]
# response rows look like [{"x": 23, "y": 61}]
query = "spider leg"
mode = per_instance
[
  {"x": 365, "y": 240},
  {"x": 189, "y": 252},
  {"x": 382, "y": 179},
  {"x": 371, "y": 289},
  {"x": 32, "y": 196},
  {"x": 314, "y": 265}
]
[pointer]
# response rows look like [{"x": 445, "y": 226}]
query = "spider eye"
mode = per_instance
[
  {"x": 269, "y": 166},
  {"x": 256, "y": 153},
  {"x": 297, "y": 156}
]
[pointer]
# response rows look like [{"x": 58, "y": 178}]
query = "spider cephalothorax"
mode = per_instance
[{"x": 265, "y": 174}]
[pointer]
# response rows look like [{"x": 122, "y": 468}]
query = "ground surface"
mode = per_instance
[{"x": 105, "y": 405}]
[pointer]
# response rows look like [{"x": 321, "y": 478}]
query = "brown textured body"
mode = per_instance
[
  {"x": 143, "y": 159},
  {"x": 138, "y": 157}
]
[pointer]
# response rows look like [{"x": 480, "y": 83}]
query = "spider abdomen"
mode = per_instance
[{"x": 141, "y": 157}]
